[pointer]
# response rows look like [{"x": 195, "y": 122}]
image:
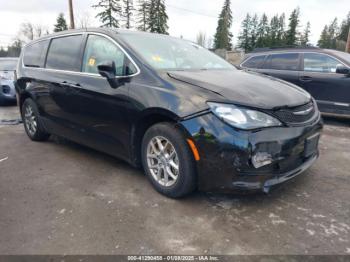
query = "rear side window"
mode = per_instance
[
  {"x": 283, "y": 62},
  {"x": 254, "y": 62},
  {"x": 320, "y": 63},
  {"x": 34, "y": 54},
  {"x": 65, "y": 53}
]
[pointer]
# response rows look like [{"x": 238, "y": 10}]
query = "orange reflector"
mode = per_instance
[{"x": 194, "y": 149}]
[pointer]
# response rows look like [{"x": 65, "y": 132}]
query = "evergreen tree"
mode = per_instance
[
  {"x": 306, "y": 35},
  {"x": 244, "y": 38},
  {"x": 292, "y": 32},
  {"x": 61, "y": 23},
  {"x": 254, "y": 31},
  {"x": 111, "y": 13},
  {"x": 157, "y": 21},
  {"x": 281, "y": 30},
  {"x": 143, "y": 15},
  {"x": 333, "y": 31},
  {"x": 274, "y": 27},
  {"x": 128, "y": 12},
  {"x": 223, "y": 36},
  {"x": 263, "y": 32},
  {"x": 344, "y": 29},
  {"x": 323, "y": 42}
]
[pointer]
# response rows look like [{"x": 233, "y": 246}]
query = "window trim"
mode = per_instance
[
  {"x": 299, "y": 66},
  {"x": 82, "y": 44},
  {"x": 33, "y": 43},
  {"x": 251, "y": 57},
  {"x": 303, "y": 65},
  {"x": 85, "y": 34}
]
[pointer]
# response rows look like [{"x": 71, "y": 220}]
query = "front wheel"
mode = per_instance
[
  {"x": 32, "y": 123},
  {"x": 168, "y": 161}
]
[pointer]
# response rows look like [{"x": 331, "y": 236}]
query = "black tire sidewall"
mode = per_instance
[
  {"x": 40, "y": 134},
  {"x": 186, "y": 180}
]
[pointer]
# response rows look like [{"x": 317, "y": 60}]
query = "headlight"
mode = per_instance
[{"x": 243, "y": 118}]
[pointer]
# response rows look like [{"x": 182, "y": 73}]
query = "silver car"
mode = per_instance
[{"x": 7, "y": 72}]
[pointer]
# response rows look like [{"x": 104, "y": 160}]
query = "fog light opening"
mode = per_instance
[{"x": 261, "y": 159}]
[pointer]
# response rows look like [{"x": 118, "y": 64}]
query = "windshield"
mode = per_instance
[
  {"x": 8, "y": 65},
  {"x": 164, "y": 52}
]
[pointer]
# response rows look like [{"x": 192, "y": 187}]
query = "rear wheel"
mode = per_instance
[
  {"x": 32, "y": 124},
  {"x": 168, "y": 161}
]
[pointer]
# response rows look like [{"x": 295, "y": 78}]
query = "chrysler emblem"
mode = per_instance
[{"x": 304, "y": 112}]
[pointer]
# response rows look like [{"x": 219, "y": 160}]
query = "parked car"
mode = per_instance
[
  {"x": 191, "y": 119},
  {"x": 324, "y": 73},
  {"x": 7, "y": 87}
]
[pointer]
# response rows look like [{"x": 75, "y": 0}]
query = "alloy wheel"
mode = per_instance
[
  {"x": 163, "y": 161},
  {"x": 30, "y": 120}
]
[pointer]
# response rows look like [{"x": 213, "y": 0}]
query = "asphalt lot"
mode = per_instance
[{"x": 61, "y": 198}]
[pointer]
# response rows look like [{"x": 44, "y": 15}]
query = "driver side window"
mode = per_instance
[
  {"x": 101, "y": 50},
  {"x": 320, "y": 63}
]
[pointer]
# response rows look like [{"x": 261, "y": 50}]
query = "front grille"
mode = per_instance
[
  {"x": 296, "y": 115},
  {"x": 6, "y": 89}
]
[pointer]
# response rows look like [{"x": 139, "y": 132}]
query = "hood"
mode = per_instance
[{"x": 245, "y": 88}]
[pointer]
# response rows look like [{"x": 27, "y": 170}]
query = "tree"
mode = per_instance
[
  {"x": 83, "y": 20},
  {"x": 29, "y": 32},
  {"x": 61, "y": 23},
  {"x": 128, "y": 12},
  {"x": 344, "y": 29},
  {"x": 281, "y": 34},
  {"x": 292, "y": 32},
  {"x": 263, "y": 32},
  {"x": 143, "y": 15},
  {"x": 157, "y": 21},
  {"x": 274, "y": 27},
  {"x": 244, "y": 38},
  {"x": 254, "y": 31},
  {"x": 14, "y": 50},
  {"x": 306, "y": 35},
  {"x": 323, "y": 42},
  {"x": 111, "y": 13},
  {"x": 223, "y": 36},
  {"x": 202, "y": 39}
]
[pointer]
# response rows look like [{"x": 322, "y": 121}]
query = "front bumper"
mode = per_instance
[{"x": 226, "y": 154}]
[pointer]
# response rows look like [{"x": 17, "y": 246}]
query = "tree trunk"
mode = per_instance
[
  {"x": 71, "y": 14},
  {"x": 348, "y": 43}
]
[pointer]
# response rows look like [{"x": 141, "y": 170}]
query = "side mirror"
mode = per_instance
[
  {"x": 343, "y": 70},
  {"x": 109, "y": 71}
]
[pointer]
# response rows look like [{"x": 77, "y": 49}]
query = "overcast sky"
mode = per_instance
[{"x": 186, "y": 17}]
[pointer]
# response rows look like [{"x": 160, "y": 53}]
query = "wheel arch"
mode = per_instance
[{"x": 147, "y": 119}]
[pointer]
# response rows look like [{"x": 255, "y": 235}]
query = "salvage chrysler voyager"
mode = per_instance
[{"x": 188, "y": 117}]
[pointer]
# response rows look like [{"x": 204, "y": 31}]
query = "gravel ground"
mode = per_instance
[{"x": 61, "y": 198}]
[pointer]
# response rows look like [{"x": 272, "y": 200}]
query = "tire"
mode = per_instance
[
  {"x": 32, "y": 123},
  {"x": 183, "y": 179}
]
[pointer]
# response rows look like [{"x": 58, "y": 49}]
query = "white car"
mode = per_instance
[{"x": 7, "y": 72}]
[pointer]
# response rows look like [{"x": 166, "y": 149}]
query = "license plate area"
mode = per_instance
[{"x": 311, "y": 145}]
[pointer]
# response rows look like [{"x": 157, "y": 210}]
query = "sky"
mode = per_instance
[{"x": 186, "y": 17}]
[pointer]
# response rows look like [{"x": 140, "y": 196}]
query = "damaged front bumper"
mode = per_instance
[{"x": 232, "y": 159}]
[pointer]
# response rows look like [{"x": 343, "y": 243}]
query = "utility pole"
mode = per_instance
[
  {"x": 71, "y": 14},
  {"x": 348, "y": 43}
]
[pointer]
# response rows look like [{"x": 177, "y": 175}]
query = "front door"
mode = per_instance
[
  {"x": 319, "y": 78},
  {"x": 100, "y": 111}
]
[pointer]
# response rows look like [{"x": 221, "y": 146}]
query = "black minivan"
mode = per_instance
[
  {"x": 324, "y": 73},
  {"x": 188, "y": 117}
]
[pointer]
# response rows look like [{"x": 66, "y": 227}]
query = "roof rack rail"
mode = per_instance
[{"x": 265, "y": 49}]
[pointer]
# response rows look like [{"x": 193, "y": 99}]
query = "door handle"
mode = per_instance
[
  {"x": 65, "y": 83},
  {"x": 305, "y": 79}
]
